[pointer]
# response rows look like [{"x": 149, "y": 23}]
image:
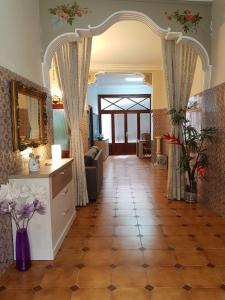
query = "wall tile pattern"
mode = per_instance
[
  {"x": 11, "y": 161},
  {"x": 212, "y": 191}
]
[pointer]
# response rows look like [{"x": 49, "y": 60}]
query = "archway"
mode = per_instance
[{"x": 164, "y": 34}]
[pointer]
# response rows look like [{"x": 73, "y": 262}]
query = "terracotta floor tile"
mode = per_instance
[
  {"x": 100, "y": 243},
  {"x": 68, "y": 258},
  {"x": 191, "y": 257},
  {"x": 53, "y": 293},
  {"x": 164, "y": 277},
  {"x": 127, "y": 243},
  {"x": 207, "y": 294},
  {"x": 170, "y": 294},
  {"x": 91, "y": 294},
  {"x": 161, "y": 258},
  {"x": 201, "y": 277},
  {"x": 154, "y": 242},
  {"x": 126, "y": 231},
  {"x": 210, "y": 242},
  {"x": 131, "y": 294},
  {"x": 94, "y": 277},
  {"x": 151, "y": 230},
  {"x": 127, "y": 257},
  {"x": 10, "y": 294},
  {"x": 129, "y": 276},
  {"x": 181, "y": 242},
  {"x": 216, "y": 256},
  {"x": 58, "y": 277},
  {"x": 98, "y": 258}
]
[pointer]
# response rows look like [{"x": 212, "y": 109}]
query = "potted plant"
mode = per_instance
[
  {"x": 21, "y": 203},
  {"x": 193, "y": 159}
]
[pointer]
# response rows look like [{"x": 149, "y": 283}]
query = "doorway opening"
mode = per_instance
[{"x": 123, "y": 119}]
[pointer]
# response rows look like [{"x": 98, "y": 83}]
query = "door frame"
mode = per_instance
[{"x": 123, "y": 148}]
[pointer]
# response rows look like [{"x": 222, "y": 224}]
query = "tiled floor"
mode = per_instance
[{"x": 131, "y": 244}]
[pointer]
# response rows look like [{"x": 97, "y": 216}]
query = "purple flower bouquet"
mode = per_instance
[{"x": 20, "y": 203}]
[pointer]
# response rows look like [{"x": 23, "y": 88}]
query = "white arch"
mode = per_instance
[{"x": 121, "y": 16}]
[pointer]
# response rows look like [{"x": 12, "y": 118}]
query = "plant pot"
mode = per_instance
[
  {"x": 23, "y": 260},
  {"x": 191, "y": 192}
]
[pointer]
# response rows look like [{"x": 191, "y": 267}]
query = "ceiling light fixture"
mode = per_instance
[{"x": 134, "y": 79}]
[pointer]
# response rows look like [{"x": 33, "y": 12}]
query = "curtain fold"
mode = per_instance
[
  {"x": 72, "y": 62},
  {"x": 179, "y": 67}
]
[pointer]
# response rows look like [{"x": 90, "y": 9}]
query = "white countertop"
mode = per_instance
[{"x": 47, "y": 169}]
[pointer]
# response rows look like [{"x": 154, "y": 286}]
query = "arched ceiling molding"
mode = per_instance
[{"x": 114, "y": 18}]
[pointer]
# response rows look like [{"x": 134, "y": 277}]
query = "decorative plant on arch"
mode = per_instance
[{"x": 67, "y": 13}]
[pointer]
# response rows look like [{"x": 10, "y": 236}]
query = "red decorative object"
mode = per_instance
[{"x": 187, "y": 19}]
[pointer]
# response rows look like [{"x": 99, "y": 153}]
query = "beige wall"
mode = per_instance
[
  {"x": 198, "y": 83},
  {"x": 218, "y": 42},
  {"x": 20, "y": 47},
  {"x": 159, "y": 91}
]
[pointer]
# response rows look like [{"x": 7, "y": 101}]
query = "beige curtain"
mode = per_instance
[
  {"x": 179, "y": 67},
  {"x": 72, "y": 61}
]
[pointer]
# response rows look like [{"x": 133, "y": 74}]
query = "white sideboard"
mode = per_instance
[{"x": 47, "y": 232}]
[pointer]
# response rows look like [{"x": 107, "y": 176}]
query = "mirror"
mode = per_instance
[{"x": 29, "y": 117}]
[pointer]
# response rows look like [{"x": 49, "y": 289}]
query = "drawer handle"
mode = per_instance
[
  {"x": 62, "y": 173},
  {"x": 66, "y": 191},
  {"x": 66, "y": 211}
]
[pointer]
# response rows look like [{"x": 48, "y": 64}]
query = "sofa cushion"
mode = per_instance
[{"x": 90, "y": 156}]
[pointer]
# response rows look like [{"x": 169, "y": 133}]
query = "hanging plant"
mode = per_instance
[
  {"x": 187, "y": 19},
  {"x": 67, "y": 13}
]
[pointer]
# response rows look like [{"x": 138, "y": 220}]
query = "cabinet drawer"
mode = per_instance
[
  {"x": 62, "y": 209},
  {"x": 60, "y": 179}
]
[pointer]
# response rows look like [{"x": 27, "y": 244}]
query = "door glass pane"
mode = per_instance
[
  {"x": 107, "y": 127},
  {"x": 60, "y": 129},
  {"x": 144, "y": 123},
  {"x": 119, "y": 128},
  {"x": 132, "y": 128}
]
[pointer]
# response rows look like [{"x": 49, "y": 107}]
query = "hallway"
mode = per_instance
[{"x": 131, "y": 244}]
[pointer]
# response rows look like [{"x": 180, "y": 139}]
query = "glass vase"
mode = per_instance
[
  {"x": 23, "y": 259},
  {"x": 191, "y": 192}
]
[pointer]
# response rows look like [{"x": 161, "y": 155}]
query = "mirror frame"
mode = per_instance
[{"x": 16, "y": 88}]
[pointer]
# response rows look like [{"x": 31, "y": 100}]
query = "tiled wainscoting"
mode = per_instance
[
  {"x": 10, "y": 161},
  {"x": 212, "y": 107}
]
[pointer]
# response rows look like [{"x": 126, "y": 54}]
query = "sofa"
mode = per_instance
[{"x": 93, "y": 160}]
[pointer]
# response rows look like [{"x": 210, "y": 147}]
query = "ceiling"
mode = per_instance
[{"x": 127, "y": 46}]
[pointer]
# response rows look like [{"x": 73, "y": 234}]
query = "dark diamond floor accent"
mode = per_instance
[
  {"x": 115, "y": 216},
  {"x": 114, "y": 235},
  {"x": 49, "y": 267},
  {"x": 184, "y": 225},
  {"x": 217, "y": 235},
  {"x": 114, "y": 249},
  {"x": 142, "y": 249},
  {"x": 191, "y": 235},
  {"x": 92, "y": 225},
  {"x": 74, "y": 288},
  {"x": 111, "y": 287},
  {"x": 187, "y": 287},
  {"x": 149, "y": 287},
  {"x": 113, "y": 266},
  {"x": 37, "y": 288},
  {"x": 171, "y": 249},
  {"x": 165, "y": 235},
  {"x": 85, "y": 249},
  {"x": 222, "y": 286},
  {"x": 140, "y": 235},
  {"x": 137, "y": 225},
  {"x": 210, "y": 265},
  {"x": 145, "y": 266},
  {"x": 2, "y": 288},
  {"x": 208, "y": 225},
  {"x": 200, "y": 249},
  {"x": 178, "y": 266},
  {"x": 178, "y": 216},
  {"x": 80, "y": 266}
]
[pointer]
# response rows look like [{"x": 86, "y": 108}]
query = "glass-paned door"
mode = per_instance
[{"x": 123, "y": 118}]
